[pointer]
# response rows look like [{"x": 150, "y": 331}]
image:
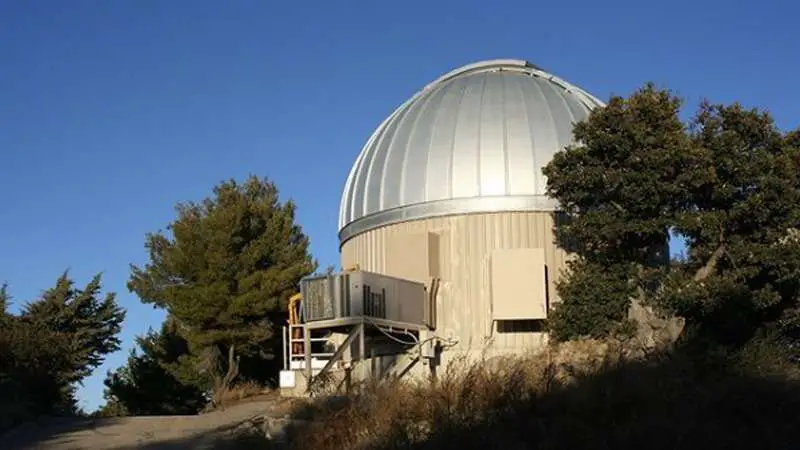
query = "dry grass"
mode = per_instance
[
  {"x": 237, "y": 393},
  {"x": 582, "y": 395},
  {"x": 401, "y": 414}
]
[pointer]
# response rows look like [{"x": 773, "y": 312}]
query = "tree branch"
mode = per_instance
[
  {"x": 233, "y": 367},
  {"x": 618, "y": 207},
  {"x": 704, "y": 272}
]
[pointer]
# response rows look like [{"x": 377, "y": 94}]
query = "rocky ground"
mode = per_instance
[{"x": 265, "y": 416}]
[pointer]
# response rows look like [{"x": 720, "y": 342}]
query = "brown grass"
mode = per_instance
[
  {"x": 581, "y": 395},
  {"x": 237, "y": 393}
]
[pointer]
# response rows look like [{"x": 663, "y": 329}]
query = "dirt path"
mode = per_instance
[{"x": 147, "y": 432}]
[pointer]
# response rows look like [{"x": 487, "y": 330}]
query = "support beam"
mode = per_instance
[
  {"x": 361, "y": 344},
  {"x": 307, "y": 350},
  {"x": 347, "y": 322},
  {"x": 357, "y": 331}
]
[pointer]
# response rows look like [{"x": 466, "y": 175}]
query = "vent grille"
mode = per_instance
[{"x": 317, "y": 299}]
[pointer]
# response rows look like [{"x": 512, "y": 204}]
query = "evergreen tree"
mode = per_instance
[
  {"x": 741, "y": 227},
  {"x": 620, "y": 190},
  {"x": 91, "y": 324},
  {"x": 35, "y": 368},
  {"x": 728, "y": 183},
  {"x": 146, "y": 386},
  {"x": 53, "y": 344},
  {"x": 5, "y": 300},
  {"x": 225, "y": 275}
]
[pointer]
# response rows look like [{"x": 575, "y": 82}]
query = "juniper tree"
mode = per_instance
[{"x": 225, "y": 271}]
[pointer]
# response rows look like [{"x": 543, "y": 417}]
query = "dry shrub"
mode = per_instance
[
  {"x": 238, "y": 392},
  {"x": 575, "y": 395},
  {"x": 397, "y": 414}
]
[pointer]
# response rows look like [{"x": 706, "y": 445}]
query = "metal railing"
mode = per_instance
[{"x": 294, "y": 347}]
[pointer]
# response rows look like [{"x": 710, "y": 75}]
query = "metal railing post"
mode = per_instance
[
  {"x": 307, "y": 352},
  {"x": 285, "y": 343}
]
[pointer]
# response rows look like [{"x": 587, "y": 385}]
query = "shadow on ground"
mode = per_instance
[
  {"x": 49, "y": 432},
  {"x": 124, "y": 434},
  {"x": 667, "y": 402},
  {"x": 639, "y": 407},
  {"x": 207, "y": 440}
]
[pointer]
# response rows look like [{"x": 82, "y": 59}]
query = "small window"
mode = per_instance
[{"x": 520, "y": 326}]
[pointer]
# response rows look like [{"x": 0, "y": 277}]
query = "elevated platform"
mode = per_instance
[
  {"x": 304, "y": 365},
  {"x": 339, "y": 320}
]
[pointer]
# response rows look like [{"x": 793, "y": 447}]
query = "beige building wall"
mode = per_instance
[{"x": 458, "y": 250}]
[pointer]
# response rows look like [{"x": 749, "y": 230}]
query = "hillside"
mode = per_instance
[
  {"x": 578, "y": 395},
  {"x": 216, "y": 429}
]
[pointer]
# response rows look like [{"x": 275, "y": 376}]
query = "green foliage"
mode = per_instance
[
  {"x": 742, "y": 228},
  {"x": 90, "y": 324},
  {"x": 33, "y": 364},
  {"x": 5, "y": 300},
  {"x": 620, "y": 191},
  {"x": 598, "y": 297},
  {"x": 53, "y": 344},
  {"x": 145, "y": 385},
  {"x": 728, "y": 182},
  {"x": 225, "y": 275},
  {"x": 623, "y": 185}
]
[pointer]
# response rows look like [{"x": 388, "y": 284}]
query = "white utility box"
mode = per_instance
[{"x": 287, "y": 378}]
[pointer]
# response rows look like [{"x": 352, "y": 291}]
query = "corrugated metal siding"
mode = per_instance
[{"x": 465, "y": 245}]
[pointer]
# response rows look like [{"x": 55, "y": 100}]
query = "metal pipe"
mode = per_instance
[{"x": 285, "y": 345}]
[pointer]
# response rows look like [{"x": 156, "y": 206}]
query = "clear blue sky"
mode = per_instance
[{"x": 111, "y": 112}]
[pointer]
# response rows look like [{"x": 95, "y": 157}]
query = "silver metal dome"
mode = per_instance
[{"x": 474, "y": 140}]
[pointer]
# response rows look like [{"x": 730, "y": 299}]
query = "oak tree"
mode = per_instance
[{"x": 727, "y": 182}]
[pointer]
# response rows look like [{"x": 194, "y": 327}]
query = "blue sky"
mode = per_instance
[{"x": 111, "y": 112}]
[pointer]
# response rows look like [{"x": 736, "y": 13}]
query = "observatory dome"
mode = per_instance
[{"x": 472, "y": 141}]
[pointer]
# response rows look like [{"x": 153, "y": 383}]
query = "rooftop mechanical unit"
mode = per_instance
[{"x": 364, "y": 294}]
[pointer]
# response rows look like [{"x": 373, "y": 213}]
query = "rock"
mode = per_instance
[
  {"x": 267, "y": 427},
  {"x": 275, "y": 428},
  {"x": 653, "y": 330}
]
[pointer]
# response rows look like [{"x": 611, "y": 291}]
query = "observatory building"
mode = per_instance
[{"x": 448, "y": 196}]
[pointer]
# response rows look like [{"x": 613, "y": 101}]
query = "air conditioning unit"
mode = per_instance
[{"x": 364, "y": 294}]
